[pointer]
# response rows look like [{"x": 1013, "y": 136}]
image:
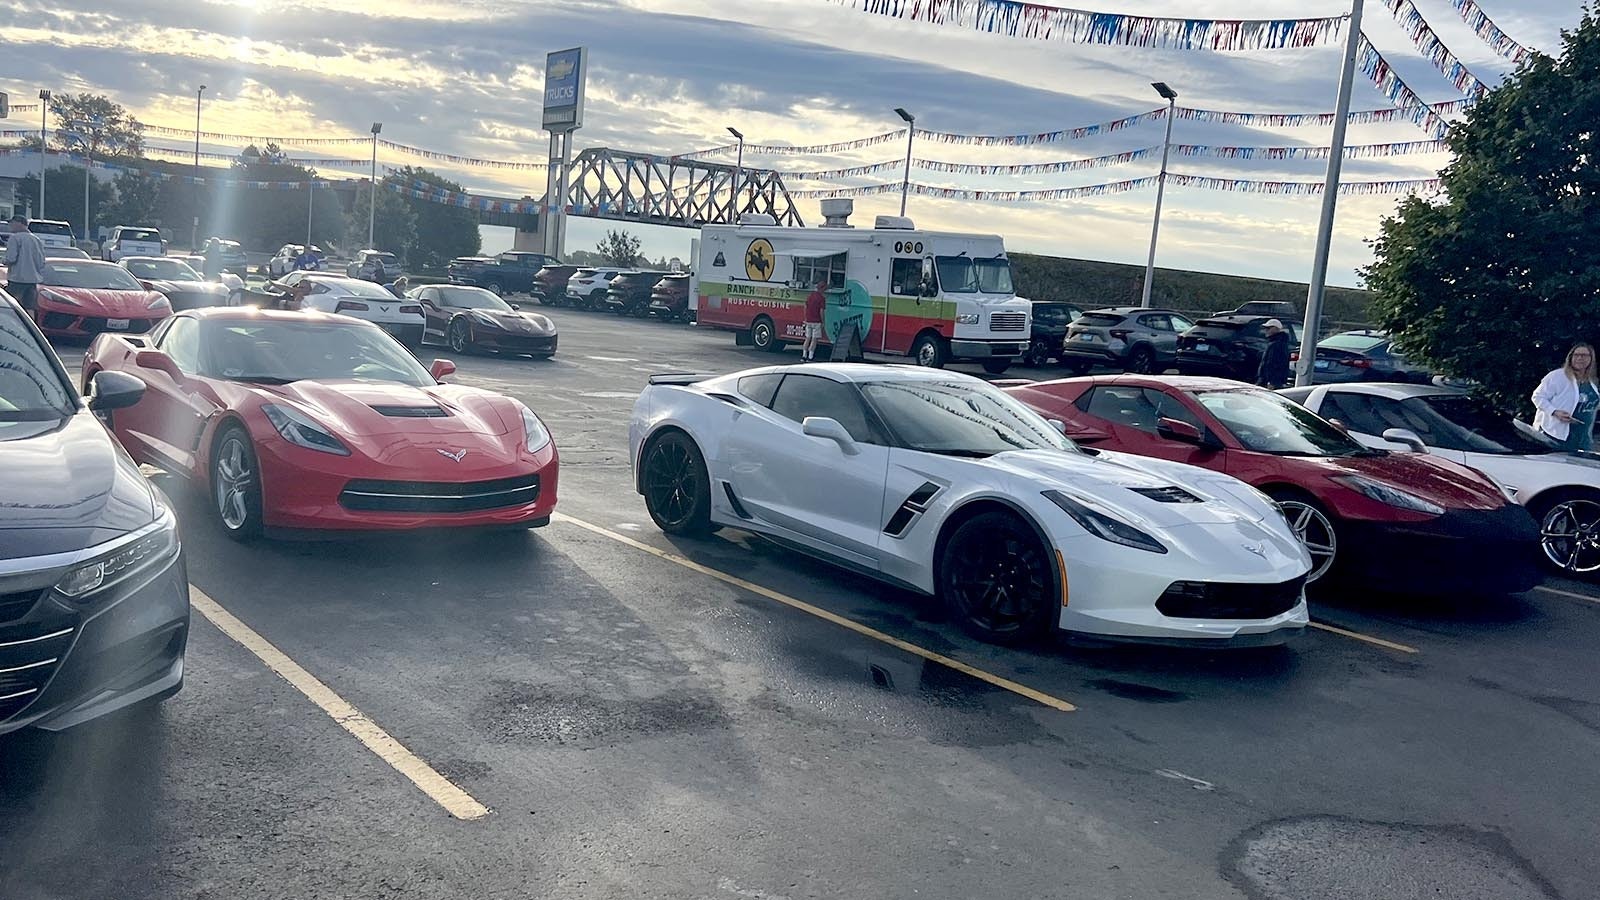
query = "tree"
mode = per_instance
[
  {"x": 267, "y": 219},
  {"x": 94, "y": 121},
  {"x": 395, "y": 226},
  {"x": 1495, "y": 281},
  {"x": 135, "y": 201},
  {"x": 63, "y": 197},
  {"x": 619, "y": 248},
  {"x": 442, "y": 232}
]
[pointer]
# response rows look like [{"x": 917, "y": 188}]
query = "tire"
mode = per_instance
[
  {"x": 494, "y": 288},
  {"x": 236, "y": 484},
  {"x": 1315, "y": 528},
  {"x": 459, "y": 337},
  {"x": 996, "y": 580},
  {"x": 1142, "y": 360},
  {"x": 1038, "y": 355},
  {"x": 929, "y": 351},
  {"x": 997, "y": 365},
  {"x": 1079, "y": 369},
  {"x": 677, "y": 490},
  {"x": 1569, "y": 527},
  {"x": 764, "y": 335}
]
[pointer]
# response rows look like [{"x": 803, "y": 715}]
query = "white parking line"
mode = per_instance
[
  {"x": 1364, "y": 638},
  {"x": 1575, "y": 596},
  {"x": 440, "y": 789}
]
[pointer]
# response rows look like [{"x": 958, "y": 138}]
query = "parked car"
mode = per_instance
[
  {"x": 913, "y": 461},
  {"x": 550, "y": 283},
  {"x": 587, "y": 287},
  {"x": 302, "y": 421},
  {"x": 1363, "y": 356},
  {"x": 233, "y": 257},
  {"x": 669, "y": 298},
  {"x": 81, "y": 298},
  {"x": 1127, "y": 337},
  {"x": 1228, "y": 346},
  {"x": 365, "y": 266},
  {"x": 1560, "y": 489},
  {"x": 65, "y": 253},
  {"x": 1276, "y": 309},
  {"x": 288, "y": 256},
  {"x": 127, "y": 240},
  {"x": 331, "y": 293},
  {"x": 1401, "y": 522},
  {"x": 629, "y": 292},
  {"x": 471, "y": 318},
  {"x": 234, "y": 283},
  {"x": 511, "y": 272},
  {"x": 1051, "y": 320},
  {"x": 94, "y": 593},
  {"x": 53, "y": 233},
  {"x": 174, "y": 279}
]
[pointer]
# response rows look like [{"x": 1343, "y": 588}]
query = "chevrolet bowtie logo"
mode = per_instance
[
  {"x": 453, "y": 457},
  {"x": 561, "y": 68}
]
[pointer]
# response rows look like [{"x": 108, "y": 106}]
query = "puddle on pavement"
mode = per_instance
[
  {"x": 1143, "y": 693},
  {"x": 531, "y": 712}
]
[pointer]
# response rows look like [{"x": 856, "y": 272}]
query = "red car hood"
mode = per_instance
[
  {"x": 360, "y": 408},
  {"x": 108, "y": 303},
  {"x": 1445, "y": 483}
]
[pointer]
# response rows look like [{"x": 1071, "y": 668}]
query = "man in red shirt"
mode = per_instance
[{"x": 814, "y": 304}]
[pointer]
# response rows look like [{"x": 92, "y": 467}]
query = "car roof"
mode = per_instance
[
  {"x": 1394, "y": 390},
  {"x": 254, "y": 314},
  {"x": 149, "y": 258},
  {"x": 1181, "y": 382},
  {"x": 860, "y": 373}
]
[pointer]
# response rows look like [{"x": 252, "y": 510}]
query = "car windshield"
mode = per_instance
[
  {"x": 354, "y": 288},
  {"x": 92, "y": 275},
  {"x": 61, "y": 228},
  {"x": 140, "y": 234},
  {"x": 31, "y": 388},
  {"x": 964, "y": 275},
  {"x": 960, "y": 418},
  {"x": 167, "y": 269},
  {"x": 64, "y": 253},
  {"x": 1267, "y": 423},
  {"x": 279, "y": 352},
  {"x": 472, "y": 298},
  {"x": 1355, "y": 343},
  {"x": 1471, "y": 424}
]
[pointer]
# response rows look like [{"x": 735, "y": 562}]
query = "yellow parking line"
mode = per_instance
[
  {"x": 1021, "y": 690},
  {"x": 1560, "y": 593},
  {"x": 1366, "y": 638},
  {"x": 440, "y": 789}
]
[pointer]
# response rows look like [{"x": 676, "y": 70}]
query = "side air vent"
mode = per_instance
[
  {"x": 411, "y": 412},
  {"x": 914, "y": 505},
  {"x": 733, "y": 500},
  {"x": 1168, "y": 495}
]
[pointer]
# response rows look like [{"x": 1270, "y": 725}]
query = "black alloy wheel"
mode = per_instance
[
  {"x": 1569, "y": 533},
  {"x": 494, "y": 288},
  {"x": 459, "y": 336},
  {"x": 677, "y": 490},
  {"x": 1142, "y": 361},
  {"x": 996, "y": 580}
]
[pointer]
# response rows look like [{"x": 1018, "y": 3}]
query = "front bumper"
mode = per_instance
[
  {"x": 966, "y": 348},
  {"x": 531, "y": 344},
  {"x": 59, "y": 321},
  {"x": 1483, "y": 552}
]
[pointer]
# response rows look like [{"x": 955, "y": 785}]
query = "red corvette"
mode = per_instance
[
  {"x": 1401, "y": 521},
  {"x": 301, "y": 421},
  {"x": 80, "y": 298}
]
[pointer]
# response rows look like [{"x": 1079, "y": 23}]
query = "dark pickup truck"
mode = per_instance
[{"x": 511, "y": 272}]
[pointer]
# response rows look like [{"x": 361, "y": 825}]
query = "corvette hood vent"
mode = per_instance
[
  {"x": 1172, "y": 494},
  {"x": 411, "y": 412}
]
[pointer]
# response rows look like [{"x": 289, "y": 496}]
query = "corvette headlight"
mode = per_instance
[
  {"x": 54, "y": 297},
  {"x": 482, "y": 318},
  {"x": 1104, "y": 526},
  {"x": 301, "y": 430},
  {"x": 1389, "y": 496},
  {"x": 150, "y": 546},
  {"x": 967, "y": 319},
  {"x": 533, "y": 430}
]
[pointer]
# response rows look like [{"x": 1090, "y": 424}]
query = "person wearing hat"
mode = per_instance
[{"x": 1274, "y": 371}]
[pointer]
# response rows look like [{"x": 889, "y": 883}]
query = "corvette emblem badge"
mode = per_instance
[
  {"x": 454, "y": 457},
  {"x": 1258, "y": 549}
]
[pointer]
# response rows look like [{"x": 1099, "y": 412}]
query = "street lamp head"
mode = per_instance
[
  {"x": 1166, "y": 92},
  {"x": 908, "y": 117},
  {"x": 202, "y": 89},
  {"x": 377, "y": 127},
  {"x": 45, "y": 96},
  {"x": 735, "y": 132}
]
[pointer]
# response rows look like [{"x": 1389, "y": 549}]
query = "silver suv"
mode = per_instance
[{"x": 1130, "y": 338}]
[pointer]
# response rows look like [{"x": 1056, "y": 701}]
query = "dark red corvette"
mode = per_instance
[
  {"x": 302, "y": 421},
  {"x": 1402, "y": 521}
]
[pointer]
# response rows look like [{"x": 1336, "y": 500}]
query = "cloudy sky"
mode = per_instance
[{"x": 667, "y": 76}]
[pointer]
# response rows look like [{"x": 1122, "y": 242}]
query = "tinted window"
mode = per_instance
[
  {"x": 182, "y": 342},
  {"x": 1100, "y": 320},
  {"x": 1472, "y": 423},
  {"x": 50, "y": 228},
  {"x": 1123, "y": 406},
  {"x": 140, "y": 234},
  {"x": 905, "y": 277},
  {"x": 959, "y": 418},
  {"x": 31, "y": 389},
  {"x": 1179, "y": 323},
  {"x": 1156, "y": 322},
  {"x": 472, "y": 298},
  {"x": 280, "y": 351},
  {"x": 760, "y": 388},
  {"x": 1267, "y": 423},
  {"x": 810, "y": 395},
  {"x": 1356, "y": 343},
  {"x": 167, "y": 269}
]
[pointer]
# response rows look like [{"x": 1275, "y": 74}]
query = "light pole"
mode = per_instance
[
  {"x": 197, "y": 96},
  {"x": 1171, "y": 97},
  {"x": 311, "y": 196},
  {"x": 911, "y": 133},
  {"x": 738, "y": 179},
  {"x": 372, "y": 206},
  {"x": 194, "y": 228},
  {"x": 44, "y": 112},
  {"x": 1330, "y": 202}
]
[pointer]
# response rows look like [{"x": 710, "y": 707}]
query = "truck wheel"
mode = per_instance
[
  {"x": 997, "y": 365},
  {"x": 929, "y": 350},
  {"x": 764, "y": 335},
  {"x": 494, "y": 288}
]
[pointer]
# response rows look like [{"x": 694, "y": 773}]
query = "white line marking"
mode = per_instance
[
  {"x": 1192, "y": 781},
  {"x": 440, "y": 789},
  {"x": 1560, "y": 593},
  {"x": 1367, "y": 638}
]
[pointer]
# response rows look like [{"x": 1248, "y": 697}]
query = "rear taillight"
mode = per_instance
[
  {"x": 1121, "y": 334},
  {"x": 411, "y": 310},
  {"x": 1295, "y": 356},
  {"x": 1357, "y": 363},
  {"x": 356, "y": 305}
]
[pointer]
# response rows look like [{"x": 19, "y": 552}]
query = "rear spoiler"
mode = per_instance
[{"x": 678, "y": 378}]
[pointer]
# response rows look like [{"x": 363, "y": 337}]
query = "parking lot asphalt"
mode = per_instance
[{"x": 651, "y": 717}]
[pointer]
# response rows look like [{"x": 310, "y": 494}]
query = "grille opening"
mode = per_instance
[
  {"x": 412, "y": 412},
  {"x": 1008, "y": 321},
  {"x": 15, "y": 606},
  {"x": 29, "y": 656},
  {"x": 429, "y": 496},
  {"x": 1172, "y": 494},
  {"x": 1224, "y": 600}
]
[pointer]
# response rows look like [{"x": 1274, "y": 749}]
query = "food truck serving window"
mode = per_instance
[
  {"x": 810, "y": 271},
  {"x": 964, "y": 275}
]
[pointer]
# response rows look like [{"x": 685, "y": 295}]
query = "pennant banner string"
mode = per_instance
[
  {"x": 1434, "y": 50},
  {"x": 1485, "y": 28},
  {"x": 1279, "y": 188},
  {"x": 1391, "y": 85},
  {"x": 1036, "y": 21}
]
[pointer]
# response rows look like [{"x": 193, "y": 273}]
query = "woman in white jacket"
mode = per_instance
[{"x": 1567, "y": 399}]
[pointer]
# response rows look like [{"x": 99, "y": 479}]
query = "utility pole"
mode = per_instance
[
  {"x": 44, "y": 112},
  {"x": 733, "y": 198},
  {"x": 905, "y": 178},
  {"x": 372, "y": 206},
  {"x": 1161, "y": 189}
]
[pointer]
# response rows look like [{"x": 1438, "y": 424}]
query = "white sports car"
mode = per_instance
[
  {"x": 943, "y": 484},
  {"x": 1560, "y": 489}
]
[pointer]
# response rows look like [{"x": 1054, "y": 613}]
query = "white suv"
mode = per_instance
[
  {"x": 127, "y": 240},
  {"x": 587, "y": 286}
]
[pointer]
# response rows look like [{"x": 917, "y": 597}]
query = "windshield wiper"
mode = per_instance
[
  {"x": 263, "y": 379},
  {"x": 960, "y": 451}
]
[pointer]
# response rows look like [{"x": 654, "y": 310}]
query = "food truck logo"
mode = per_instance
[{"x": 759, "y": 260}]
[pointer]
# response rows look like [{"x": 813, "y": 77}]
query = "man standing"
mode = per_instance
[
  {"x": 24, "y": 264},
  {"x": 1274, "y": 372},
  {"x": 815, "y": 301}
]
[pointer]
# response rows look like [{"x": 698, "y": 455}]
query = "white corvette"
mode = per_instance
[{"x": 942, "y": 484}]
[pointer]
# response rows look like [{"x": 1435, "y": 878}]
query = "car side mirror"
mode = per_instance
[
  {"x": 441, "y": 368},
  {"x": 114, "y": 390},
  {"x": 514, "y": 305},
  {"x": 1089, "y": 435},
  {"x": 1058, "y": 425},
  {"x": 427, "y": 303},
  {"x": 1407, "y": 437},
  {"x": 830, "y": 429},
  {"x": 1178, "y": 430},
  {"x": 1339, "y": 425},
  {"x": 160, "y": 362}
]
